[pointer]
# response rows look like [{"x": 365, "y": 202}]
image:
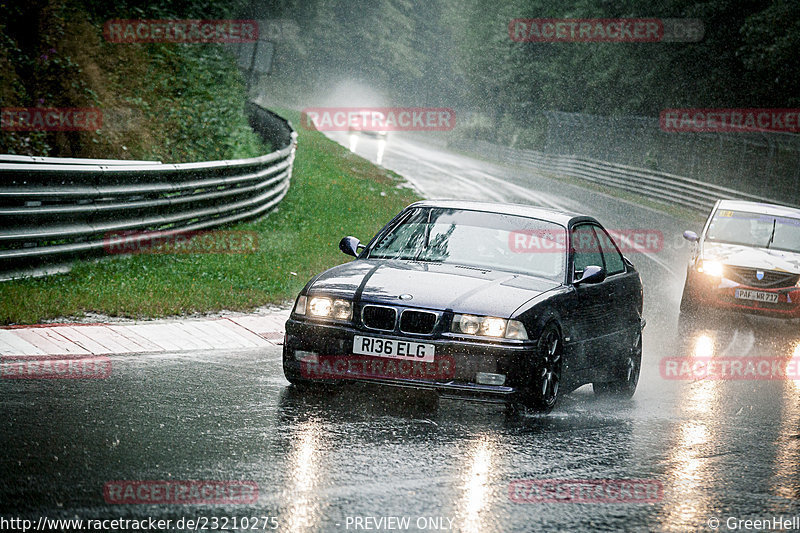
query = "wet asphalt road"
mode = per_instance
[{"x": 719, "y": 449}]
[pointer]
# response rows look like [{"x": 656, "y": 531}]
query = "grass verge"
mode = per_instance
[{"x": 333, "y": 193}]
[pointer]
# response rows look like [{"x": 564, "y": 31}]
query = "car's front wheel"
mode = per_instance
[
  {"x": 293, "y": 378},
  {"x": 627, "y": 376},
  {"x": 541, "y": 391}
]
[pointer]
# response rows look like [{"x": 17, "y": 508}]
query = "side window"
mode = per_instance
[
  {"x": 614, "y": 262},
  {"x": 586, "y": 248}
]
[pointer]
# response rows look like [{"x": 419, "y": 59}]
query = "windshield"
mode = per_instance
[
  {"x": 473, "y": 238},
  {"x": 754, "y": 229}
]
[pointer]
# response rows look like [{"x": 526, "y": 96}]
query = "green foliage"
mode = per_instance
[
  {"x": 102, "y": 10},
  {"x": 747, "y": 58},
  {"x": 199, "y": 107},
  {"x": 458, "y": 53},
  {"x": 771, "y": 41},
  {"x": 180, "y": 102}
]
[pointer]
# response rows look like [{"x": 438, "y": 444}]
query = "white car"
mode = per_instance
[{"x": 747, "y": 258}]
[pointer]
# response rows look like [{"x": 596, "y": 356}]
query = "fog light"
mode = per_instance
[
  {"x": 308, "y": 357},
  {"x": 487, "y": 378}
]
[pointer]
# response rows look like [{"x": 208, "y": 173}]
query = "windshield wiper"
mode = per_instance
[
  {"x": 427, "y": 236},
  {"x": 772, "y": 237}
]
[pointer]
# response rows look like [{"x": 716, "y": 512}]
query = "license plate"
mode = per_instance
[
  {"x": 392, "y": 348},
  {"x": 758, "y": 296}
]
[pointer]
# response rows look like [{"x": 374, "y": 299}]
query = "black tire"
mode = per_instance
[
  {"x": 296, "y": 380},
  {"x": 541, "y": 392},
  {"x": 627, "y": 375}
]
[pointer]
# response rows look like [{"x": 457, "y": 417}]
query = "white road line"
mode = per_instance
[
  {"x": 525, "y": 192},
  {"x": 490, "y": 193}
]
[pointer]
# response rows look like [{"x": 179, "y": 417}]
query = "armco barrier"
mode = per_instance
[
  {"x": 54, "y": 209},
  {"x": 655, "y": 185}
]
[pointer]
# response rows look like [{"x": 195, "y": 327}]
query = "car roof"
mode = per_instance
[
  {"x": 563, "y": 218},
  {"x": 761, "y": 208}
]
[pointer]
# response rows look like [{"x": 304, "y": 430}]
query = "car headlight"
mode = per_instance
[
  {"x": 324, "y": 307},
  {"x": 493, "y": 327},
  {"x": 711, "y": 268},
  {"x": 489, "y": 326},
  {"x": 798, "y": 283}
]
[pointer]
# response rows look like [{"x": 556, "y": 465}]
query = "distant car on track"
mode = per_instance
[
  {"x": 359, "y": 129},
  {"x": 746, "y": 259},
  {"x": 458, "y": 281}
]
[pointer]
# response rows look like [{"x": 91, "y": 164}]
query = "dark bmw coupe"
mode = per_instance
[{"x": 492, "y": 302}]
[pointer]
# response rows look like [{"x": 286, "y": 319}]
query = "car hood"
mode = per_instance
[
  {"x": 432, "y": 286},
  {"x": 746, "y": 256}
]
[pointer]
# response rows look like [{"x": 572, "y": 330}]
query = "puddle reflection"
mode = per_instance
[{"x": 304, "y": 513}]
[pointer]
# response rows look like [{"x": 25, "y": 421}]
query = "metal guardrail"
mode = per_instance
[
  {"x": 660, "y": 186},
  {"x": 759, "y": 162},
  {"x": 54, "y": 209}
]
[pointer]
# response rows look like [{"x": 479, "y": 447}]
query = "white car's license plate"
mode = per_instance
[
  {"x": 758, "y": 296},
  {"x": 393, "y": 348}
]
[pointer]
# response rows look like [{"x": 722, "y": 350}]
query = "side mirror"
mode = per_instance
[
  {"x": 350, "y": 246},
  {"x": 592, "y": 274},
  {"x": 690, "y": 236}
]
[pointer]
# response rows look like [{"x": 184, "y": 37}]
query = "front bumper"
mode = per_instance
[
  {"x": 465, "y": 359},
  {"x": 720, "y": 293}
]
